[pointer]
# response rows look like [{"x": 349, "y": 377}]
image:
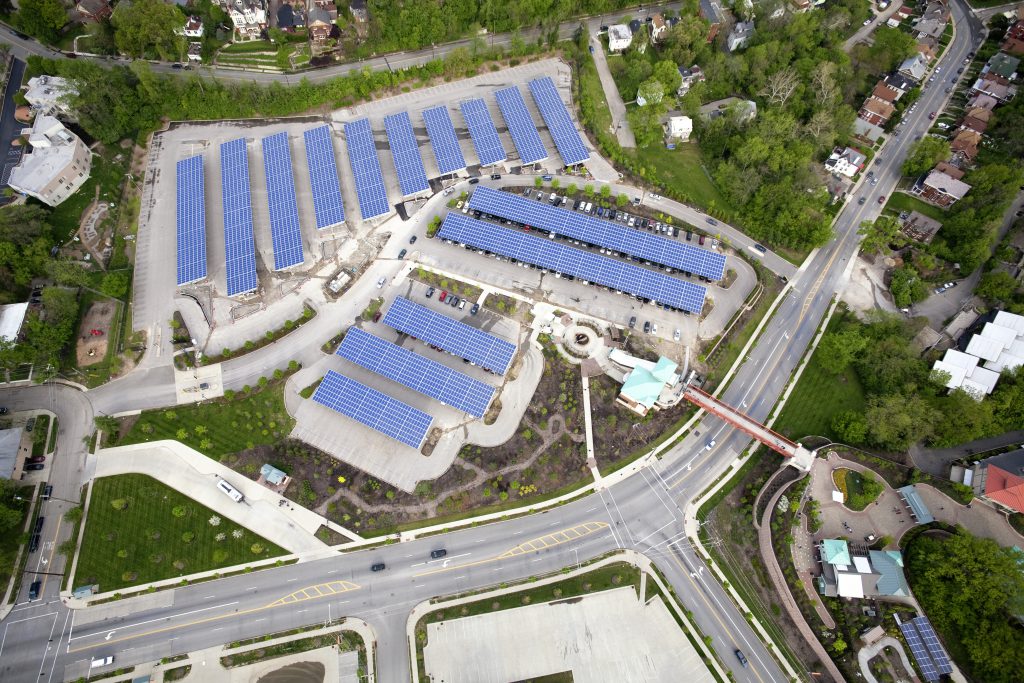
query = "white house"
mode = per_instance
[
  {"x": 58, "y": 165},
  {"x": 49, "y": 95},
  {"x": 193, "y": 28},
  {"x": 846, "y": 162},
  {"x": 680, "y": 128},
  {"x": 740, "y": 35},
  {"x": 619, "y": 37},
  {"x": 248, "y": 16}
]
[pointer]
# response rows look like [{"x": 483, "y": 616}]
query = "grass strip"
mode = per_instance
[
  {"x": 40, "y": 432},
  {"x": 53, "y": 436},
  {"x": 346, "y": 641}
]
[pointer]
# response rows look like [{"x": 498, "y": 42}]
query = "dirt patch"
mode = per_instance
[{"x": 91, "y": 347}]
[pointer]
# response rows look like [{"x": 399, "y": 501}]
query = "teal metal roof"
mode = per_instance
[
  {"x": 888, "y": 564},
  {"x": 835, "y": 551}
]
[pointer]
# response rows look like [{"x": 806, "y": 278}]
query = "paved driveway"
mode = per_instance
[
  {"x": 10, "y": 128},
  {"x": 611, "y": 92}
]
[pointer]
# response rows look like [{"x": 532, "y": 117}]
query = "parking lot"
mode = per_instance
[{"x": 607, "y": 636}]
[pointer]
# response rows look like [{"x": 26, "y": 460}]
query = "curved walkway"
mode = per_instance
[
  {"x": 764, "y": 544},
  {"x": 867, "y": 653}
]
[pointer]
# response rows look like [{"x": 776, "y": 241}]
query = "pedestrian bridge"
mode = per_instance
[{"x": 798, "y": 456}]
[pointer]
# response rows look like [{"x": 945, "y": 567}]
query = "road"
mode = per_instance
[
  {"x": 643, "y": 511},
  {"x": 10, "y": 128}
]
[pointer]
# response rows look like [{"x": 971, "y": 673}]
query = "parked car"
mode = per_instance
[
  {"x": 381, "y": 281},
  {"x": 474, "y": 181},
  {"x": 378, "y": 567},
  {"x": 700, "y": 240},
  {"x": 689, "y": 235},
  {"x": 34, "y": 468},
  {"x": 402, "y": 253},
  {"x": 474, "y": 309},
  {"x": 36, "y": 458},
  {"x": 47, "y": 491},
  {"x": 430, "y": 292},
  {"x": 443, "y": 296},
  {"x": 647, "y": 327},
  {"x": 453, "y": 301},
  {"x": 462, "y": 305},
  {"x": 30, "y": 424},
  {"x": 440, "y": 552},
  {"x": 412, "y": 240},
  {"x": 632, "y": 321},
  {"x": 677, "y": 335}
]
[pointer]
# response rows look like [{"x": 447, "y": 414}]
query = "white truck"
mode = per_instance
[{"x": 230, "y": 491}]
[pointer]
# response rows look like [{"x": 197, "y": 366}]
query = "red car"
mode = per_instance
[
  {"x": 444, "y": 295},
  {"x": 931, "y": 116},
  {"x": 35, "y": 459},
  {"x": 881, "y": 200}
]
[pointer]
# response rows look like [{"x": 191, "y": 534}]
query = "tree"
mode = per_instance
[
  {"x": 997, "y": 286},
  {"x": 685, "y": 40},
  {"x": 146, "y": 28},
  {"x": 907, "y": 287},
  {"x": 879, "y": 234},
  {"x": 780, "y": 86},
  {"x": 651, "y": 92},
  {"x": 837, "y": 350},
  {"x": 850, "y": 427},
  {"x": 42, "y": 18},
  {"x": 966, "y": 419},
  {"x": 606, "y": 191},
  {"x": 667, "y": 73},
  {"x": 895, "y": 421},
  {"x": 115, "y": 285},
  {"x": 923, "y": 156},
  {"x": 971, "y": 588}
]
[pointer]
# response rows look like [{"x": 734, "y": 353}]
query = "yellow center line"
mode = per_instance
[
  {"x": 332, "y": 588},
  {"x": 548, "y": 541}
]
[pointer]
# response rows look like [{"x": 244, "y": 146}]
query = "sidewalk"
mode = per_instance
[{"x": 290, "y": 526}]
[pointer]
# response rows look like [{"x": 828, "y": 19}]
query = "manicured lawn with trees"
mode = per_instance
[
  {"x": 682, "y": 173},
  {"x": 216, "y": 428},
  {"x": 900, "y": 201},
  {"x": 859, "y": 490},
  {"x": 140, "y": 530}
]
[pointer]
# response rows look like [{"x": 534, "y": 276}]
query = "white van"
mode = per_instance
[
  {"x": 230, "y": 491},
  {"x": 101, "y": 661}
]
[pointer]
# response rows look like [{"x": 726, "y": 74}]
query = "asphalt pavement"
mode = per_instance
[
  {"x": 10, "y": 127},
  {"x": 45, "y": 640}
]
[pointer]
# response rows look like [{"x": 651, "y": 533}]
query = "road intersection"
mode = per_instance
[{"x": 44, "y": 640}]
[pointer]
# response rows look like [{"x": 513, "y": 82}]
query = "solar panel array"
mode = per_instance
[
  {"x": 520, "y": 125},
  {"x": 323, "y": 177},
  {"x": 556, "y": 116},
  {"x": 424, "y": 375},
  {"x": 362, "y": 156},
  {"x": 406, "y": 153},
  {"x": 482, "y": 132},
  {"x": 601, "y": 233},
  {"x": 239, "y": 247},
  {"x": 931, "y": 657},
  {"x": 443, "y": 140},
  {"x": 374, "y": 409},
  {"x": 191, "y": 212},
  {"x": 557, "y": 257},
  {"x": 465, "y": 341},
  {"x": 284, "y": 214}
]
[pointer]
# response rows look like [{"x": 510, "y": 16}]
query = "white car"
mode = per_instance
[
  {"x": 710, "y": 445},
  {"x": 380, "y": 282},
  {"x": 654, "y": 328},
  {"x": 677, "y": 335}
]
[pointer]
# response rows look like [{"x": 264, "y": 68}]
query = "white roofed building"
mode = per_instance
[
  {"x": 58, "y": 165},
  {"x": 998, "y": 347},
  {"x": 680, "y": 128},
  {"x": 11, "y": 318},
  {"x": 50, "y": 95},
  {"x": 619, "y": 37}
]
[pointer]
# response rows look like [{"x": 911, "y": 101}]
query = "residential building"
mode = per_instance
[
  {"x": 982, "y": 101},
  {"x": 195, "y": 52},
  {"x": 329, "y": 7},
  {"x": 904, "y": 12},
  {"x": 950, "y": 170},
  {"x": 359, "y": 11},
  {"x": 286, "y": 17},
  {"x": 974, "y": 124},
  {"x": 1000, "y": 479},
  {"x": 1002, "y": 64},
  {"x": 801, "y": 5},
  {"x": 856, "y": 572},
  {"x": 658, "y": 27},
  {"x": 884, "y": 92},
  {"x": 619, "y": 37},
  {"x": 996, "y": 87},
  {"x": 876, "y": 112},
  {"x": 680, "y": 128},
  {"x": 899, "y": 82},
  {"x": 319, "y": 25},
  {"x": 51, "y": 96},
  {"x": 964, "y": 145},
  {"x": 12, "y": 317},
  {"x": 745, "y": 110},
  {"x": 249, "y": 17},
  {"x": 915, "y": 67},
  {"x": 919, "y": 227},
  {"x": 940, "y": 189},
  {"x": 689, "y": 77},
  {"x": 193, "y": 27},
  {"x": 998, "y": 347},
  {"x": 711, "y": 11},
  {"x": 1014, "y": 43},
  {"x": 845, "y": 162},
  {"x": 94, "y": 10},
  {"x": 739, "y": 36},
  {"x": 979, "y": 113},
  {"x": 929, "y": 27},
  {"x": 927, "y": 47},
  {"x": 57, "y": 166}
]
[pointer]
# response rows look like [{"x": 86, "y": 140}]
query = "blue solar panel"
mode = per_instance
[
  {"x": 556, "y": 116},
  {"x": 362, "y": 155},
  {"x": 545, "y": 253},
  {"x": 489, "y": 352},
  {"x": 600, "y": 233},
  {"x": 374, "y": 409},
  {"x": 323, "y": 177},
  {"x": 443, "y": 140},
  {"x": 239, "y": 247},
  {"x": 920, "y": 652},
  {"x": 927, "y": 650},
  {"x": 191, "y": 210},
  {"x": 284, "y": 214},
  {"x": 482, "y": 132},
  {"x": 406, "y": 153},
  {"x": 426, "y": 376},
  {"x": 520, "y": 125}
]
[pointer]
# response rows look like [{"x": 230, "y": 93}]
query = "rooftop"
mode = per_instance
[
  {"x": 11, "y": 318},
  {"x": 947, "y": 185},
  {"x": 53, "y": 147}
]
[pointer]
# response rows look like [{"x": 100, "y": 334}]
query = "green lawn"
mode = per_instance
[
  {"x": 219, "y": 427},
  {"x": 39, "y": 433},
  {"x": 107, "y": 175},
  {"x": 900, "y": 201},
  {"x": 681, "y": 173},
  {"x": 159, "y": 534},
  {"x": 817, "y": 398}
]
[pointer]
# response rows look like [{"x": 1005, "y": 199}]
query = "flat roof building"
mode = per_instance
[{"x": 58, "y": 165}]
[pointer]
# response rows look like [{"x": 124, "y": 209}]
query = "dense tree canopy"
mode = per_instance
[
  {"x": 146, "y": 28},
  {"x": 923, "y": 156},
  {"x": 25, "y": 243},
  {"x": 46, "y": 331},
  {"x": 972, "y": 591},
  {"x": 41, "y": 18}
]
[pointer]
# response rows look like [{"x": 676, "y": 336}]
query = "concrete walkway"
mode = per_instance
[
  {"x": 866, "y": 654},
  {"x": 589, "y": 429},
  {"x": 611, "y": 92},
  {"x": 183, "y": 469}
]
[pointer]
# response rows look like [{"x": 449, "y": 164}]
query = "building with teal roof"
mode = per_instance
[{"x": 646, "y": 382}]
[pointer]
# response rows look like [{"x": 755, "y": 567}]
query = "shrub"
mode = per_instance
[
  {"x": 179, "y": 511},
  {"x": 119, "y": 503}
]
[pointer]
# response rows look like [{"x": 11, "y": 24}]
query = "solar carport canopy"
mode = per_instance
[
  {"x": 600, "y": 233},
  {"x": 548, "y": 254}
]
